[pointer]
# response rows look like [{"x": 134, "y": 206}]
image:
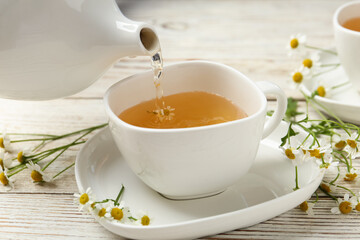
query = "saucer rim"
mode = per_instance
[
  {"x": 345, "y": 88},
  {"x": 329, "y": 100},
  {"x": 311, "y": 186}
]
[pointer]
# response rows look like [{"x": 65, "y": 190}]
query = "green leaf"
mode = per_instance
[
  {"x": 289, "y": 134},
  {"x": 270, "y": 113},
  {"x": 291, "y": 110}
]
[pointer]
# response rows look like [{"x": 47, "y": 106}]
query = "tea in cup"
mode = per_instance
[
  {"x": 192, "y": 162},
  {"x": 347, "y": 37}
]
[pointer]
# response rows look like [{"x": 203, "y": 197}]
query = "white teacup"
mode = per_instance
[
  {"x": 348, "y": 41},
  {"x": 187, "y": 163}
]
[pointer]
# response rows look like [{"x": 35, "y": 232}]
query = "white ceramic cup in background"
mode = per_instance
[
  {"x": 348, "y": 41},
  {"x": 187, "y": 163}
]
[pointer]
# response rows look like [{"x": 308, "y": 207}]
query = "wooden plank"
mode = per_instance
[{"x": 46, "y": 216}]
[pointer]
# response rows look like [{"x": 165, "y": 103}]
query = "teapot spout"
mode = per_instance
[
  {"x": 149, "y": 41},
  {"x": 138, "y": 39}
]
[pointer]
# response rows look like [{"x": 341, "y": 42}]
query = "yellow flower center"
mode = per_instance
[
  {"x": 102, "y": 212},
  {"x": 325, "y": 187},
  {"x": 316, "y": 153},
  {"x": 350, "y": 177},
  {"x": 84, "y": 198},
  {"x": 2, "y": 163},
  {"x": 36, "y": 176},
  {"x": 117, "y": 213},
  {"x": 294, "y": 43},
  {"x": 93, "y": 205},
  {"x": 289, "y": 154},
  {"x": 297, "y": 77},
  {"x": 345, "y": 207},
  {"x": 307, "y": 63},
  {"x": 3, "y": 179},
  {"x": 20, "y": 157},
  {"x": 340, "y": 145},
  {"x": 304, "y": 151},
  {"x": 145, "y": 220},
  {"x": 321, "y": 91},
  {"x": 304, "y": 206},
  {"x": 166, "y": 112},
  {"x": 351, "y": 143},
  {"x": 357, "y": 207},
  {"x": 2, "y": 142}
]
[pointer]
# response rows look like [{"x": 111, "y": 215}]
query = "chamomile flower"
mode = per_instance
[
  {"x": 142, "y": 218},
  {"x": 165, "y": 113},
  {"x": 5, "y": 140},
  {"x": 345, "y": 206},
  {"x": 23, "y": 155},
  {"x": 297, "y": 157},
  {"x": 327, "y": 187},
  {"x": 339, "y": 142},
  {"x": 118, "y": 213},
  {"x": 311, "y": 62},
  {"x": 5, "y": 180},
  {"x": 296, "y": 45},
  {"x": 355, "y": 200},
  {"x": 307, "y": 207},
  {"x": 84, "y": 199},
  {"x": 299, "y": 76},
  {"x": 321, "y": 91},
  {"x": 98, "y": 210},
  {"x": 352, "y": 175},
  {"x": 352, "y": 146},
  {"x": 5, "y": 160},
  {"x": 322, "y": 152},
  {"x": 37, "y": 174}
]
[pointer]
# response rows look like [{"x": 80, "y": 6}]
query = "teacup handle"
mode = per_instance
[{"x": 281, "y": 99}]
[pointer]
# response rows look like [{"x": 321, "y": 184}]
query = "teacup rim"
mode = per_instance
[
  {"x": 336, "y": 18},
  {"x": 117, "y": 120}
]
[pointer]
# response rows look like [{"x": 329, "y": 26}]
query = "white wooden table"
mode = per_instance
[{"x": 249, "y": 35}]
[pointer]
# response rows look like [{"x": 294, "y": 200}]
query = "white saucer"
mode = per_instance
[
  {"x": 265, "y": 192},
  {"x": 344, "y": 101}
]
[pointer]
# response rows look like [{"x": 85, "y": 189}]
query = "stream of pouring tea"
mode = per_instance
[
  {"x": 163, "y": 112},
  {"x": 157, "y": 66}
]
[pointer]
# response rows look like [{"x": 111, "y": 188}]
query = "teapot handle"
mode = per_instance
[{"x": 269, "y": 88}]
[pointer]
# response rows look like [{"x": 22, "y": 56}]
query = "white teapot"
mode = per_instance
[{"x": 55, "y": 48}]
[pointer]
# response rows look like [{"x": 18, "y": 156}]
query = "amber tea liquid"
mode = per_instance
[
  {"x": 188, "y": 109},
  {"x": 352, "y": 24}
]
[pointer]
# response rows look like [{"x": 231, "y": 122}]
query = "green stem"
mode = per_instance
[
  {"x": 296, "y": 179},
  {"x": 347, "y": 189},
  {"x": 55, "y": 149},
  {"x": 345, "y": 159},
  {"x": 326, "y": 71},
  {"x": 340, "y": 85},
  {"x": 22, "y": 166},
  {"x": 330, "y": 65},
  {"x": 57, "y": 137},
  {"x": 66, "y": 148},
  {"x": 312, "y": 134},
  {"x": 39, "y": 146},
  {"x": 336, "y": 178},
  {"x": 64, "y": 170},
  {"x": 302, "y": 143},
  {"x": 105, "y": 200},
  {"x": 116, "y": 203},
  {"x": 328, "y": 193},
  {"x": 321, "y": 49},
  {"x": 31, "y": 134},
  {"x": 317, "y": 198},
  {"x": 328, "y": 111}
]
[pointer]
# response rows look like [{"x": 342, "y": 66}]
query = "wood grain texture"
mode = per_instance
[{"x": 249, "y": 35}]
